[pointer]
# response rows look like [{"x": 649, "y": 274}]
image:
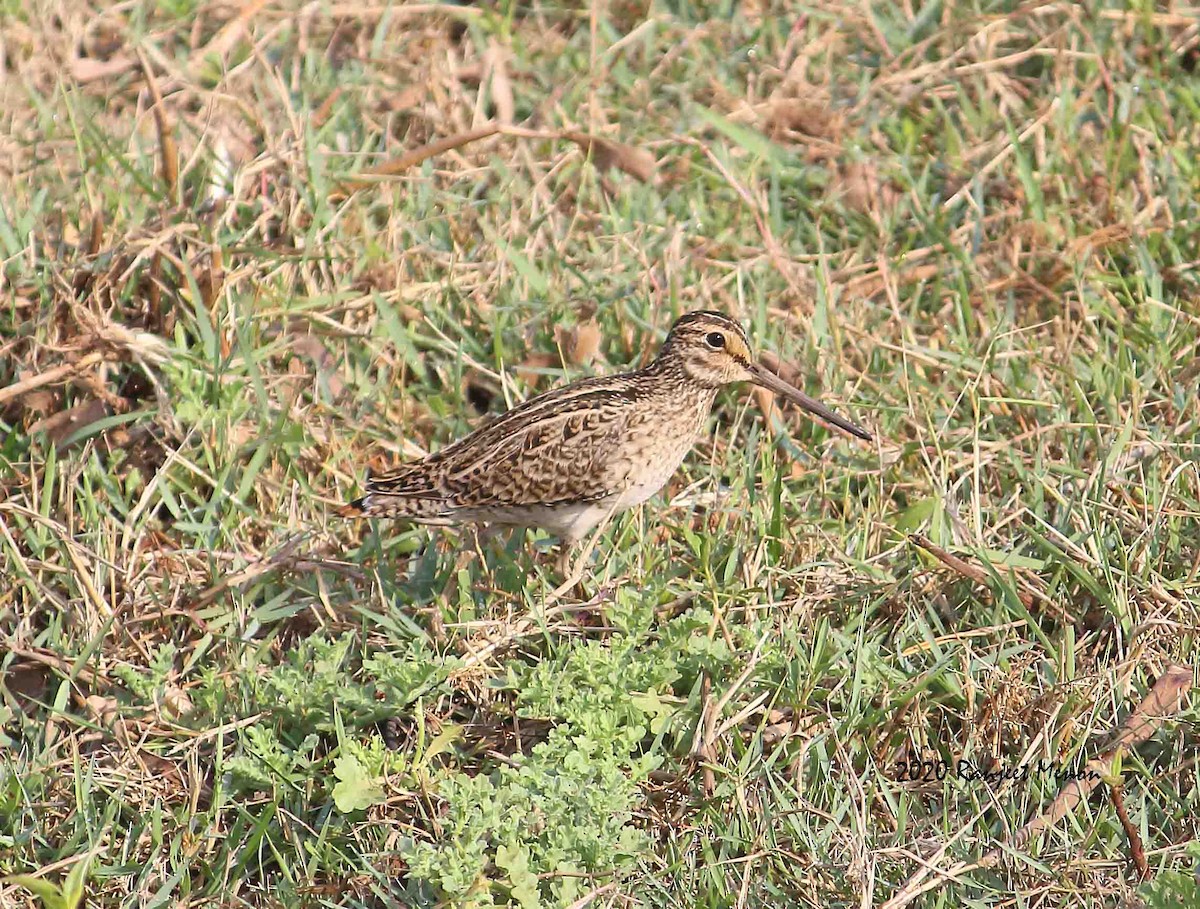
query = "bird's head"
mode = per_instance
[{"x": 712, "y": 350}]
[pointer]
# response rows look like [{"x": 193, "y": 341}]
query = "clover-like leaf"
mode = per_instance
[
  {"x": 515, "y": 861},
  {"x": 355, "y": 790}
]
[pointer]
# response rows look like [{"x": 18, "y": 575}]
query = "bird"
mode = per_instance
[{"x": 570, "y": 458}]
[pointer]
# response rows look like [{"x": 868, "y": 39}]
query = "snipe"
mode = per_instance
[{"x": 568, "y": 459}]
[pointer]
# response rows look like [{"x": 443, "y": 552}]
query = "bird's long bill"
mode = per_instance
[{"x": 768, "y": 380}]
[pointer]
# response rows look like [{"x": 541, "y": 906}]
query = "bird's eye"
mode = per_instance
[{"x": 715, "y": 340}]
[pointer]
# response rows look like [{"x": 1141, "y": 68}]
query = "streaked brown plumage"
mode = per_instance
[{"x": 567, "y": 459}]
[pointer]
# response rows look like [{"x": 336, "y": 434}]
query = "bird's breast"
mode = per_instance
[{"x": 649, "y": 459}]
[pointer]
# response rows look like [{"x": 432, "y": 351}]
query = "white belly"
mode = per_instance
[{"x": 567, "y": 522}]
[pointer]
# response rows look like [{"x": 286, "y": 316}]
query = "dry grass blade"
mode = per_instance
[
  {"x": 168, "y": 152},
  {"x": 588, "y": 898},
  {"x": 96, "y": 234},
  {"x": 1137, "y": 851},
  {"x": 702, "y": 748},
  {"x": 83, "y": 577},
  {"x": 139, "y": 346},
  {"x": 49, "y": 377},
  {"x": 402, "y": 12},
  {"x": 607, "y": 154},
  {"x": 213, "y": 279},
  {"x": 704, "y": 743},
  {"x": 283, "y": 557},
  {"x": 1027, "y": 595},
  {"x": 84, "y": 70},
  {"x": 416, "y": 156},
  {"x": 870, "y": 284},
  {"x": 225, "y": 40}
]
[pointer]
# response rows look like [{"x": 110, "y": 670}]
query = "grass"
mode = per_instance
[{"x": 972, "y": 227}]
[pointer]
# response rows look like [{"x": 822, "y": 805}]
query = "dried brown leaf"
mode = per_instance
[
  {"x": 532, "y": 370},
  {"x": 175, "y": 701},
  {"x": 781, "y": 725},
  {"x": 96, "y": 234},
  {"x": 862, "y": 189},
  {"x": 786, "y": 370},
  {"x": 241, "y": 434},
  {"x": 85, "y": 69},
  {"x": 471, "y": 73},
  {"x": 607, "y": 154},
  {"x": 60, "y": 426},
  {"x": 322, "y": 113},
  {"x": 212, "y": 279},
  {"x": 409, "y": 98},
  {"x": 27, "y": 683},
  {"x": 765, "y": 402},
  {"x": 103, "y": 709},
  {"x": 501, "y": 87},
  {"x": 39, "y": 403},
  {"x": 154, "y": 317},
  {"x": 782, "y": 116},
  {"x": 581, "y": 344},
  {"x": 310, "y": 346}
]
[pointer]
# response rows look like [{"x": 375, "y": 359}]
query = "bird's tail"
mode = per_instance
[
  {"x": 355, "y": 509},
  {"x": 389, "y": 498},
  {"x": 376, "y": 503}
]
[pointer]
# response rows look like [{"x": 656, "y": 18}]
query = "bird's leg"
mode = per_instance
[
  {"x": 573, "y": 579},
  {"x": 481, "y": 535},
  {"x": 562, "y": 562},
  {"x": 470, "y": 546}
]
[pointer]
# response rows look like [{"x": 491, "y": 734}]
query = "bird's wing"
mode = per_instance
[{"x": 556, "y": 448}]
